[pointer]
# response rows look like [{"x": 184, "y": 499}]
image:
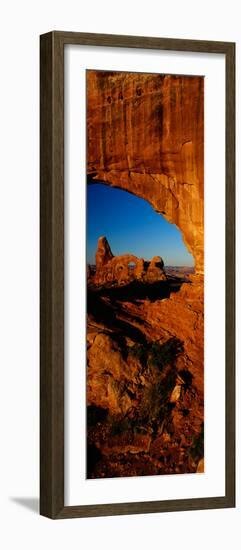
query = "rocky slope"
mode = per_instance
[{"x": 145, "y": 378}]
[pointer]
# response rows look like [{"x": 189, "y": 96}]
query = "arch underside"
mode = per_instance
[
  {"x": 150, "y": 144},
  {"x": 163, "y": 200}
]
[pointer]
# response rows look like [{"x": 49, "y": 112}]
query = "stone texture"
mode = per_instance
[
  {"x": 145, "y": 351},
  {"x": 155, "y": 269},
  {"x": 145, "y": 134},
  {"x": 127, "y": 443},
  {"x": 123, "y": 269},
  {"x": 200, "y": 466},
  {"x": 107, "y": 376},
  {"x": 176, "y": 392},
  {"x": 103, "y": 253},
  {"x": 160, "y": 395}
]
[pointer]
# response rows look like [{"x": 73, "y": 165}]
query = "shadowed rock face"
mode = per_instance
[
  {"x": 145, "y": 135},
  {"x": 125, "y": 268}
]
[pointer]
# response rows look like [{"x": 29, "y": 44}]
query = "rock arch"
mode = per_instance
[
  {"x": 151, "y": 144},
  {"x": 116, "y": 269}
]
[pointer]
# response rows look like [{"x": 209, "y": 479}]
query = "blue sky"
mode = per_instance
[{"x": 131, "y": 226}]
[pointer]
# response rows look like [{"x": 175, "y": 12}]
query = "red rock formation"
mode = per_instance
[
  {"x": 145, "y": 353},
  {"x": 103, "y": 252},
  {"x": 125, "y": 268},
  {"x": 155, "y": 270},
  {"x": 153, "y": 388},
  {"x": 145, "y": 135},
  {"x": 107, "y": 373}
]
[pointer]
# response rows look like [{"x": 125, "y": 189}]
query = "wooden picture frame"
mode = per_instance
[{"x": 52, "y": 274}]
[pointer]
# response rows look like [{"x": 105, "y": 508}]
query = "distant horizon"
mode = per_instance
[
  {"x": 93, "y": 264},
  {"x": 131, "y": 226}
]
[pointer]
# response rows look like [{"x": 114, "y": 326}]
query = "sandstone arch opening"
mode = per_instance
[
  {"x": 135, "y": 230},
  {"x": 145, "y": 337},
  {"x": 151, "y": 143}
]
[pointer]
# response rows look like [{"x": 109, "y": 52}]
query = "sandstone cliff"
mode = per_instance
[
  {"x": 145, "y": 381},
  {"x": 145, "y": 135}
]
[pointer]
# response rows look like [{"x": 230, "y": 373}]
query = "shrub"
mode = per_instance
[
  {"x": 161, "y": 355},
  {"x": 139, "y": 351}
]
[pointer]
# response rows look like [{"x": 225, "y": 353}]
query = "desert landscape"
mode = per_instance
[{"x": 145, "y": 319}]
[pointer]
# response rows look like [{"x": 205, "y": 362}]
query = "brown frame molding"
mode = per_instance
[{"x": 52, "y": 274}]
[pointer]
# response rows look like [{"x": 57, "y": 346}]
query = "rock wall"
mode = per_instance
[{"x": 145, "y": 134}]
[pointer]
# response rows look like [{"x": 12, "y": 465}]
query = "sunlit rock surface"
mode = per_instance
[
  {"x": 145, "y": 331},
  {"x": 125, "y": 268},
  {"x": 145, "y": 377},
  {"x": 145, "y": 134}
]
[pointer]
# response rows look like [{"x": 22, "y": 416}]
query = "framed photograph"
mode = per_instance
[{"x": 137, "y": 398}]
